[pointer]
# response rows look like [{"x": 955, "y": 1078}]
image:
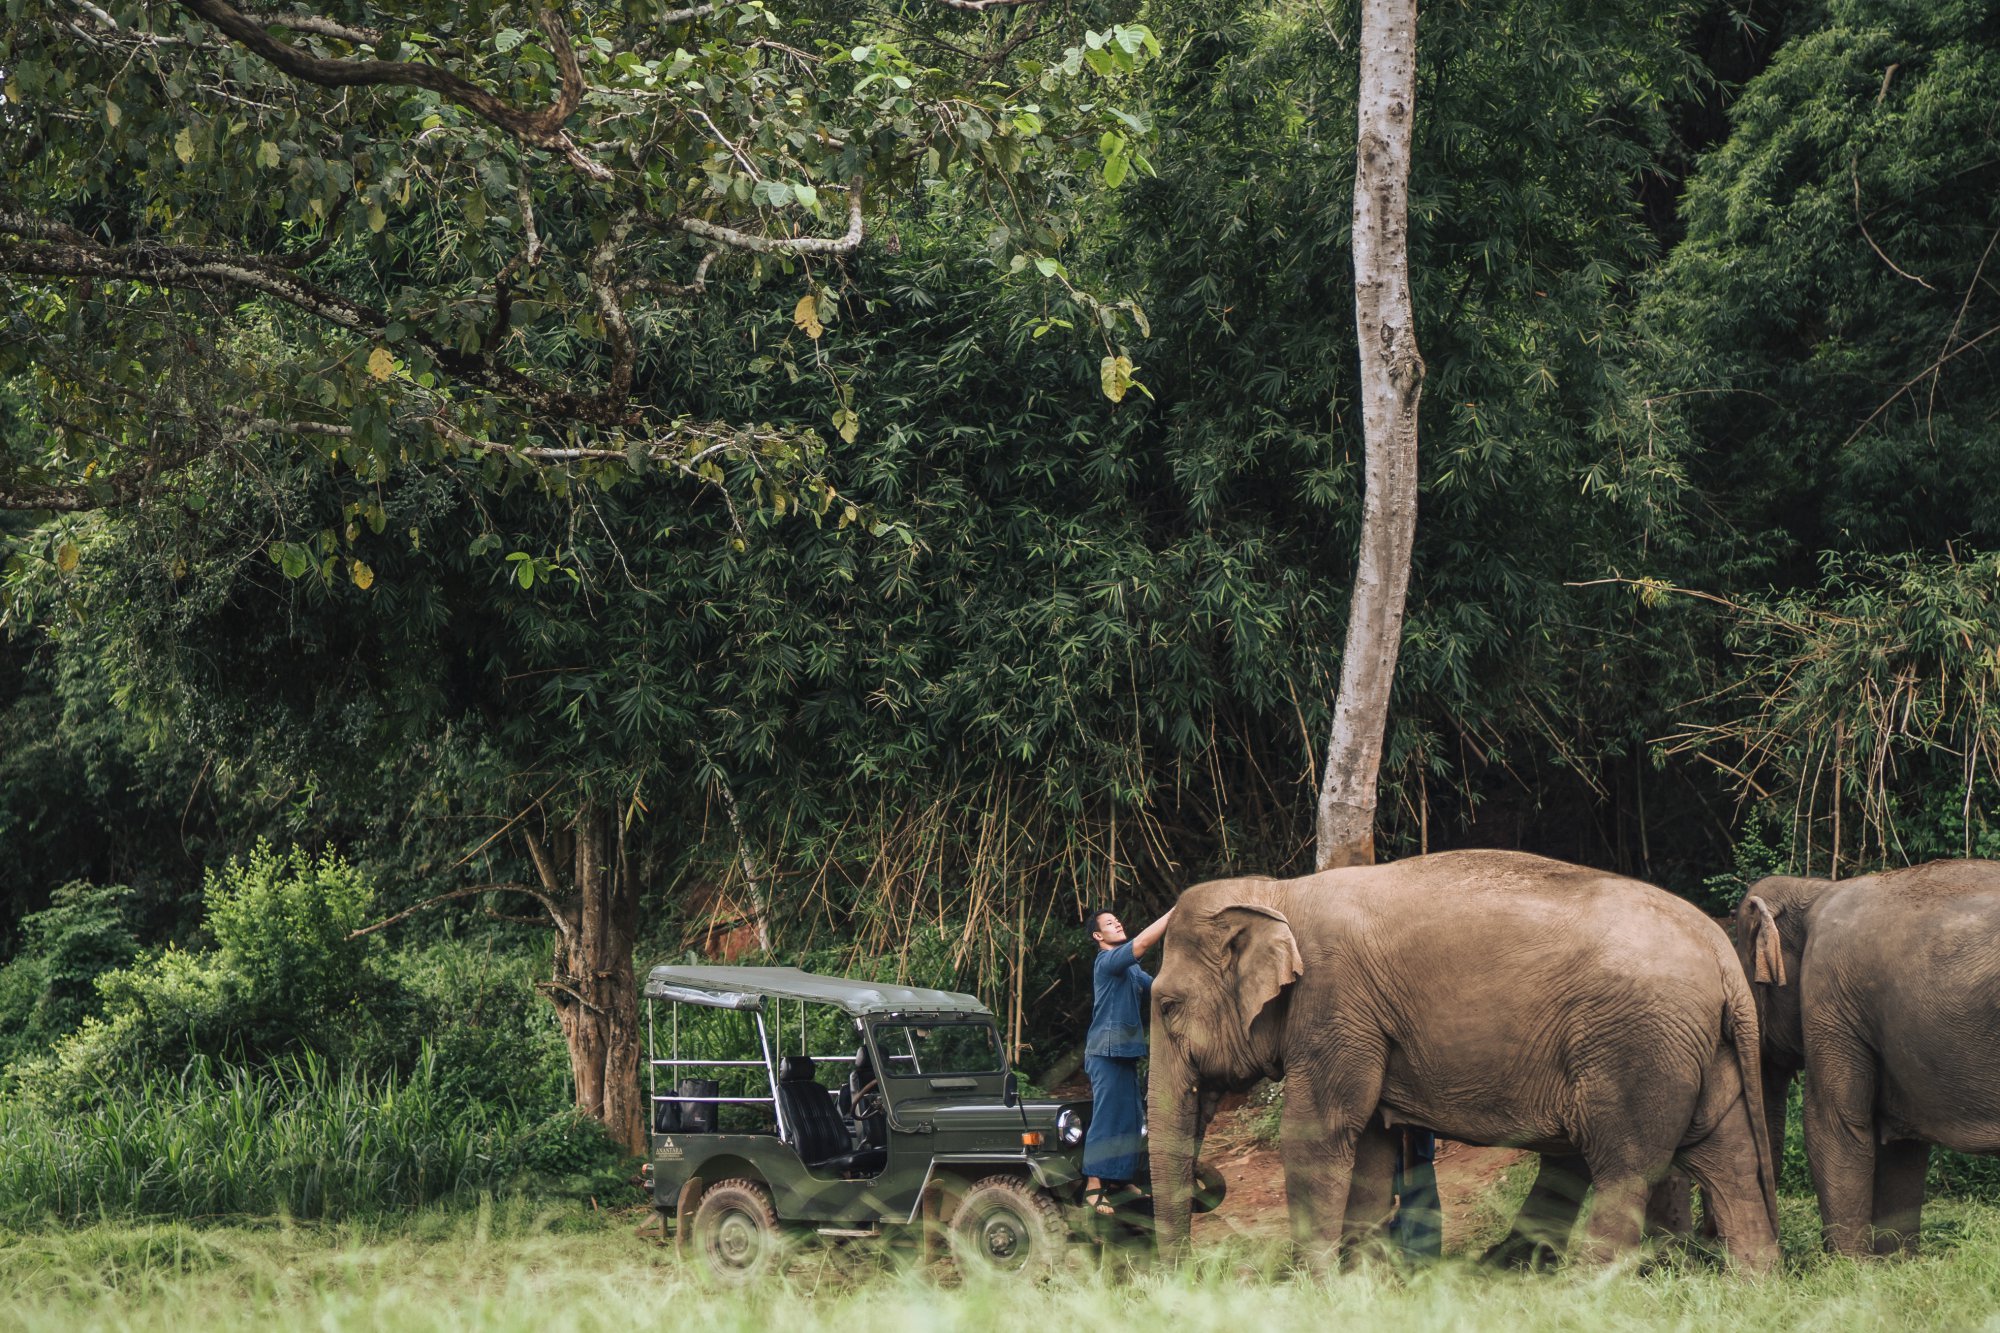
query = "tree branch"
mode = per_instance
[
  {"x": 558, "y": 988},
  {"x": 1854, "y": 170},
  {"x": 655, "y": 287},
  {"x": 543, "y": 869},
  {"x": 778, "y": 245},
  {"x": 611, "y": 309},
  {"x": 669, "y": 449},
  {"x": 476, "y": 889},
  {"x": 165, "y": 265},
  {"x": 543, "y": 129},
  {"x": 321, "y": 27},
  {"x": 981, "y": 5}
]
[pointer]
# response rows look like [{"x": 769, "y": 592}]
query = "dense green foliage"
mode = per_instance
[
  {"x": 943, "y": 642},
  {"x": 49, "y": 987},
  {"x": 1834, "y": 297},
  {"x": 282, "y": 974},
  {"x": 427, "y": 230},
  {"x": 296, "y": 1138}
]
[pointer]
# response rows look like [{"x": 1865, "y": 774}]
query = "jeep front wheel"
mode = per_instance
[
  {"x": 1005, "y": 1225},
  {"x": 736, "y": 1232}
]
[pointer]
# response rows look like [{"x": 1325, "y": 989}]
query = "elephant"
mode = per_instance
[
  {"x": 1885, "y": 991},
  {"x": 1493, "y": 997}
]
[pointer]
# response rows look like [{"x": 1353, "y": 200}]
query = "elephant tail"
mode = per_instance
[{"x": 1740, "y": 1014}]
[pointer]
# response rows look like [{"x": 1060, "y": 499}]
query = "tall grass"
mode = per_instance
[
  {"x": 511, "y": 1266},
  {"x": 300, "y": 1138}
]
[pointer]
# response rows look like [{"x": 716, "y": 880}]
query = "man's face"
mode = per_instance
[{"x": 1110, "y": 932}]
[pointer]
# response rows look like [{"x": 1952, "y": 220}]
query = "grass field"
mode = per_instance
[{"x": 513, "y": 1267}]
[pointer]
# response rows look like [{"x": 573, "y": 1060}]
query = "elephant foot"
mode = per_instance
[{"x": 1523, "y": 1253}]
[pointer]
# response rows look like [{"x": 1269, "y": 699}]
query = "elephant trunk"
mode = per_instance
[{"x": 1178, "y": 1111}]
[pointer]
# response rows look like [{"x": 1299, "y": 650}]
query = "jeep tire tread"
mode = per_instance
[
  {"x": 1003, "y": 1225},
  {"x": 735, "y": 1232}
]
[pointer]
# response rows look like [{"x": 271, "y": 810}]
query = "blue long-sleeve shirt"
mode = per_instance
[{"x": 1120, "y": 987}]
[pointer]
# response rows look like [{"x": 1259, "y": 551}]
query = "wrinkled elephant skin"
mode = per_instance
[
  {"x": 1494, "y": 997},
  {"x": 1885, "y": 992}
]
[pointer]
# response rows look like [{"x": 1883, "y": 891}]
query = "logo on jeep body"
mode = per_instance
[{"x": 668, "y": 1151}]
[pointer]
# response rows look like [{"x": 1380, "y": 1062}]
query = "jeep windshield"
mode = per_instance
[{"x": 933, "y": 1050}]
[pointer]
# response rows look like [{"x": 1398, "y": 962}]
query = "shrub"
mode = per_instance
[
  {"x": 299, "y": 1137},
  {"x": 476, "y": 1010},
  {"x": 49, "y": 987},
  {"x": 281, "y": 924},
  {"x": 283, "y": 977}
]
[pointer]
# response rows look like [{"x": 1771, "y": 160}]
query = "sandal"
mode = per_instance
[{"x": 1097, "y": 1201}]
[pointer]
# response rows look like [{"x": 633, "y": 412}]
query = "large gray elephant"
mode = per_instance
[
  {"x": 1495, "y": 997},
  {"x": 1885, "y": 991}
]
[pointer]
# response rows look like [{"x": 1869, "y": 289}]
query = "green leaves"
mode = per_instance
[
  {"x": 482, "y": 307},
  {"x": 293, "y": 558}
]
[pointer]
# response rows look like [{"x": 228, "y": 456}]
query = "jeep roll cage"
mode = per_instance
[{"x": 761, "y": 991}]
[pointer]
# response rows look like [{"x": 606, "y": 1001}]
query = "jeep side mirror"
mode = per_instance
[{"x": 1011, "y": 1094}]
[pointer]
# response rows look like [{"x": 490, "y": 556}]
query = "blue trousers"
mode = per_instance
[
  {"x": 1113, "y": 1145},
  {"x": 1418, "y": 1227}
]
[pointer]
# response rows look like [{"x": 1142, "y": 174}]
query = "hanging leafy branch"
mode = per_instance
[
  {"x": 438, "y": 234},
  {"x": 1856, "y": 702}
]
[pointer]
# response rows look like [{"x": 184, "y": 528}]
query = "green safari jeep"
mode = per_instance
[{"x": 877, "y": 1108}]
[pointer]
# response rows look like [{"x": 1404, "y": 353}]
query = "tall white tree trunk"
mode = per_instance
[{"x": 1392, "y": 378}]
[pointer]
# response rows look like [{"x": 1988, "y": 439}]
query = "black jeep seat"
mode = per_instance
[
  {"x": 817, "y": 1129},
  {"x": 873, "y": 1129}
]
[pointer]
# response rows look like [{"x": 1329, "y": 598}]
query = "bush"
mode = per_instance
[
  {"x": 1755, "y": 854},
  {"x": 281, "y": 925},
  {"x": 49, "y": 987},
  {"x": 494, "y": 1039},
  {"x": 300, "y": 1138},
  {"x": 283, "y": 977}
]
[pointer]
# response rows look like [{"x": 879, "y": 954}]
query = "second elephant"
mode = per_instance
[
  {"x": 1885, "y": 991},
  {"x": 1495, "y": 997}
]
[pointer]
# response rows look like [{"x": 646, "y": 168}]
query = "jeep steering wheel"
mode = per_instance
[{"x": 868, "y": 1101}]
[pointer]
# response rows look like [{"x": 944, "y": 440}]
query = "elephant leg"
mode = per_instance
[
  {"x": 1540, "y": 1233},
  {"x": 1900, "y": 1168},
  {"x": 1840, "y": 1143},
  {"x": 1625, "y": 1163},
  {"x": 1318, "y": 1135},
  {"x": 1732, "y": 1190},
  {"x": 1670, "y": 1207},
  {"x": 1370, "y": 1189}
]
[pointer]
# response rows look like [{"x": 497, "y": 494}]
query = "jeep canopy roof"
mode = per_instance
[{"x": 748, "y": 987}]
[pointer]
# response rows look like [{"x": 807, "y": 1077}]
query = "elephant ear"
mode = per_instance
[
  {"x": 1264, "y": 953},
  {"x": 1766, "y": 949}
]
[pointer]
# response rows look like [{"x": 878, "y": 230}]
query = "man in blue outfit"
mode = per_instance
[{"x": 1112, "y": 1053}]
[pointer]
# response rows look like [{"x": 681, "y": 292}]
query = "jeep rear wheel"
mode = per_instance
[
  {"x": 736, "y": 1232},
  {"x": 1005, "y": 1225}
]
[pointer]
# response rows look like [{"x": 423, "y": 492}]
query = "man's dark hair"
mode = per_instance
[{"x": 1091, "y": 918}]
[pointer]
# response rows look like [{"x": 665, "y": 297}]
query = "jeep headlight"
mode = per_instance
[{"x": 1069, "y": 1128}]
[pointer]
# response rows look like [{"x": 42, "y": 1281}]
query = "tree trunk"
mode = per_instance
[
  {"x": 593, "y": 987},
  {"x": 1392, "y": 377}
]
